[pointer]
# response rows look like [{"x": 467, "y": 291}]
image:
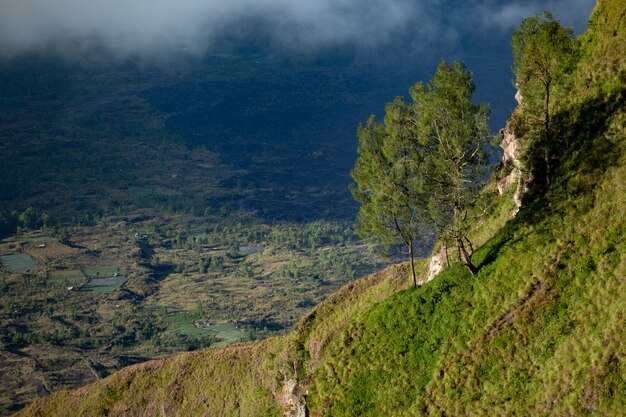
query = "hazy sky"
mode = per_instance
[{"x": 160, "y": 26}]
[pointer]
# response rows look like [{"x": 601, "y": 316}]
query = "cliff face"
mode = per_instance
[
  {"x": 539, "y": 331},
  {"x": 510, "y": 144}
]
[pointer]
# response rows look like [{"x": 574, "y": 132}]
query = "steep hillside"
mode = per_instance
[{"x": 539, "y": 331}]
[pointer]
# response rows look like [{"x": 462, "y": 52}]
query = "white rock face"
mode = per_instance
[
  {"x": 291, "y": 399},
  {"x": 510, "y": 144},
  {"x": 436, "y": 265}
]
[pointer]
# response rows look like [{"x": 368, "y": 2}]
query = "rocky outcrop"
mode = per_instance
[
  {"x": 510, "y": 160},
  {"x": 510, "y": 145},
  {"x": 518, "y": 96},
  {"x": 292, "y": 399},
  {"x": 438, "y": 261}
]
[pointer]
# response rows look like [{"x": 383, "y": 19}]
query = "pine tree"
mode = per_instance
[
  {"x": 544, "y": 53},
  {"x": 454, "y": 133}
]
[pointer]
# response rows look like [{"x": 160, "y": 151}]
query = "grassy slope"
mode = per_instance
[{"x": 539, "y": 331}]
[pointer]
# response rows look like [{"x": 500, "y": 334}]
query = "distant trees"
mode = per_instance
[
  {"x": 63, "y": 236},
  {"x": 421, "y": 168},
  {"x": 10, "y": 221},
  {"x": 544, "y": 53}
]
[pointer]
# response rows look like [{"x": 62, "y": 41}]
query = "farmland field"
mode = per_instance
[
  {"x": 27, "y": 239},
  {"x": 238, "y": 278},
  {"x": 101, "y": 272},
  {"x": 226, "y": 333},
  {"x": 142, "y": 172},
  {"x": 66, "y": 276},
  {"x": 249, "y": 250},
  {"x": 19, "y": 262},
  {"x": 103, "y": 285}
]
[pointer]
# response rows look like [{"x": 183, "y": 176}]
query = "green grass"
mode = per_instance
[
  {"x": 538, "y": 331},
  {"x": 397, "y": 340},
  {"x": 183, "y": 324},
  {"x": 236, "y": 381},
  {"x": 180, "y": 318},
  {"x": 534, "y": 333},
  {"x": 108, "y": 324},
  {"x": 227, "y": 333}
]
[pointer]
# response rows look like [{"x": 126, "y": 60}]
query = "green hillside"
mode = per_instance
[{"x": 540, "y": 330}]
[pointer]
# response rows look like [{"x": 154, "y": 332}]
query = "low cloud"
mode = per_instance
[
  {"x": 507, "y": 15},
  {"x": 148, "y": 27}
]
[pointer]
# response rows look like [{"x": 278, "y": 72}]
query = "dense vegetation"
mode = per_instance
[
  {"x": 420, "y": 170},
  {"x": 538, "y": 331}
]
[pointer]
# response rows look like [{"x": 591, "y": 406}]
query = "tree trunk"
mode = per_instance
[
  {"x": 465, "y": 257},
  {"x": 412, "y": 262},
  {"x": 469, "y": 243}
]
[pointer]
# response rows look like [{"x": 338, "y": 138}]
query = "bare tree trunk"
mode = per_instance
[
  {"x": 465, "y": 257},
  {"x": 412, "y": 262},
  {"x": 471, "y": 248}
]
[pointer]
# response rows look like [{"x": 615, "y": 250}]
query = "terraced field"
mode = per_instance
[{"x": 19, "y": 262}]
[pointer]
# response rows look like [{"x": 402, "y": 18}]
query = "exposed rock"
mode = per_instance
[
  {"x": 521, "y": 189},
  {"x": 510, "y": 145},
  {"x": 506, "y": 182},
  {"x": 292, "y": 399},
  {"x": 436, "y": 264}
]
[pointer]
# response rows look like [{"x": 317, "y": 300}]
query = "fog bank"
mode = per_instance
[{"x": 148, "y": 27}]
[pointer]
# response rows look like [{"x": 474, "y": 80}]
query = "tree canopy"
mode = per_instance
[
  {"x": 419, "y": 170},
  {"x": 389, "y": 186},
  {"x": 544, "y": 53}
]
